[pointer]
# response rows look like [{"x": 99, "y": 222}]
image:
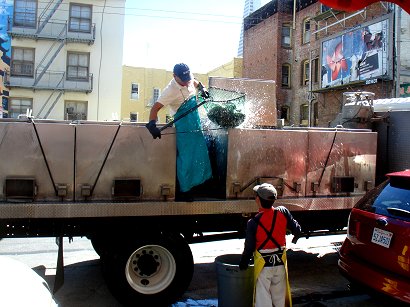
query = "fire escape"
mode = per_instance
[{"x": 58, "y": 34}]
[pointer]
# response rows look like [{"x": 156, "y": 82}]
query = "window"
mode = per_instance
[
  {"x": 286, "y": 75},
  {"x": 75, "y": 110},
  {"x": 286, "y": 35},
  {"x": 306, "y": 31},
  {"x": 304, "y": 115},
  {"x": 78, "y": 66},
  {"x": 19, "y": 106},
  {"x": 285, "y": 113},
  {"x": 80, "y": 18},
  {"x": 134, "y": 91},
  {"x": 156, "y": 94},
  {"x": 168, "y": 118},
  {"x": 306, "y": 72},
  {"x": 133, "y": 116},
  {"x": 315, "y": 67},
  {"x": 22, "y": 62},
  {"x": 324, "y": 8},
  {"x": 25, "y": 13}
]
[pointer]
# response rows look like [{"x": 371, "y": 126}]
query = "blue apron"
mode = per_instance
[{"x": 193, "y": 165}]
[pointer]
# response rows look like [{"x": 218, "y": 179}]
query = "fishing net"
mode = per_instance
[{"x": 225, "y": 108}]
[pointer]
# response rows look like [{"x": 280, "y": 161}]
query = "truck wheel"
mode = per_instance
[{"x": 154, "y": 272}]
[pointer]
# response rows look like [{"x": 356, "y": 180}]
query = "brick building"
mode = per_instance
[{"x": 315, "y": 54}]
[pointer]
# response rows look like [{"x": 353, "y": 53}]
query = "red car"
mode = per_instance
[{"x": 376, "y": 252}]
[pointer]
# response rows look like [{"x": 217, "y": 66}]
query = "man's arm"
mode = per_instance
[
  {"x": 153, "y": 115},
  {"x": 292, "y": 224},
  {"x": 249, "y": 245}
]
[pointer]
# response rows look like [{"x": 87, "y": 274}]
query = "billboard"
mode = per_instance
[
  {"x": 6, "y": 12},
  {"x": 359, "y": 54}
]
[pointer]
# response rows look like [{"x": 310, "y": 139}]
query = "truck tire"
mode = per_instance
[{"x": 149, "y": 272}]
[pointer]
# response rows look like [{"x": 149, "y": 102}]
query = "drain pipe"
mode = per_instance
[{"x": 397, "y": 20}]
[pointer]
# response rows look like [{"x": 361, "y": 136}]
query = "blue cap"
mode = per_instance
[{"x": 182, "y": 71}]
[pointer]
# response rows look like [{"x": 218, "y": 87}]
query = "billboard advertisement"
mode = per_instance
[
  {"x": 6, "y": 12},
  {"x": 359, "y": 54}
]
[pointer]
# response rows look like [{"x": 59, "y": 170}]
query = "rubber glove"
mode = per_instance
[
  {"x": 152, "y": 127},
  {"x": 203, "y": 91}
]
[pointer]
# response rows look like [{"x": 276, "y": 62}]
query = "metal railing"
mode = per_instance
[
  {"x": 51, "y": 80},
  {"x": 51, "y": 31}
]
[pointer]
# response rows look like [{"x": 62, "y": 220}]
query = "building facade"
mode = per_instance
[
  {"x": 315, "y": 53},
  {"x": 232, "y": 69},
  {"x": 141, "y": 88},
  {"x": 66, "y": 59}
]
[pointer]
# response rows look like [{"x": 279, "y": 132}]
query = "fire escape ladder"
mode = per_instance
[
  {"x": 49, "y": 56},
  {"x": 60, "y": 92},
  {"x": 46, "y": 14},
  {"x": 335, "y": 15}
]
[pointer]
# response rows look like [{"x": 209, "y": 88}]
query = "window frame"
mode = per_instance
[
  {"x": 287, "y": 117},
  {"x": 11, "y": 99},
  {"x": 154, "y": 96},
  {"x": 305, "y": 72},
  {"x": 306, "y": 40},
  {"x": 316, "y": 73},
  {"x": 304, "y": 110},
  {"x": 77, "y": 78},
  {"x": 70, "y": 18},
  {"x": 289, "y": 76},
  {"x": 283, "y": 44},
  {"x": 76, "y": 103},
  {"x": 22, "y": 62},
  {"x": 26, "y": 23},
  {"x": 137, "y": 97}
]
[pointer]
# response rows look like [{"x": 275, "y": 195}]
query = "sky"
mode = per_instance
[{"x": 202, "y": 34}]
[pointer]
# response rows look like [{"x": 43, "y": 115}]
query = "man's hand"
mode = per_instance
[
  {"x": 152, "y": 127},
  {"x": 243, "y": 266},
  {"x": 203, "y": 91}
]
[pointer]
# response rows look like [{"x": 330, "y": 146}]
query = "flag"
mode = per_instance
[{"x": 354, "y": 5}]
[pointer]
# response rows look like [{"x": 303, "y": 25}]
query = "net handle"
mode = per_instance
[{"x": 183, "y": 115}]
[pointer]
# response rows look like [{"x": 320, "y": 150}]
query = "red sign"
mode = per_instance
[{"x": 354, "y": 5}]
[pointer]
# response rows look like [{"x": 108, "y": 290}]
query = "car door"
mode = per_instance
[{"x": 382, "y": 226}]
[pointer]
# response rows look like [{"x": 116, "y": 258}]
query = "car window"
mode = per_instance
[{"x": 388, "y": 200}]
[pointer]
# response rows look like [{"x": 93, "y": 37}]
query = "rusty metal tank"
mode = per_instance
[{"x": 50, "y": 160}]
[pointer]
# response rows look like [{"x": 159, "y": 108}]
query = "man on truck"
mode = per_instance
[
  {"x": 193, "y": 164},
  {"x": 266, "y": 239}
]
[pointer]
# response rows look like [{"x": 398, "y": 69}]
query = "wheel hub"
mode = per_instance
[
  {"x": 146, "y": 263},
  {"x": 150, "y": 269}
]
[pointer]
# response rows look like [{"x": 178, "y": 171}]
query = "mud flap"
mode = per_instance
[{"x": 59, "y": 278}]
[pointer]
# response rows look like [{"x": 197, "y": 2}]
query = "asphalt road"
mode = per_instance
[{"x": 314, "y": 278}]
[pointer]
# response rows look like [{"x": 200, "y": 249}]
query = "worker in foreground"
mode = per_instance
[
  {"x": 180, "y": 95},
  {"x": 266, "y": 240}
]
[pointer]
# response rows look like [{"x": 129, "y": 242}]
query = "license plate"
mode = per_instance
[{"x": 382, "y": 237}]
